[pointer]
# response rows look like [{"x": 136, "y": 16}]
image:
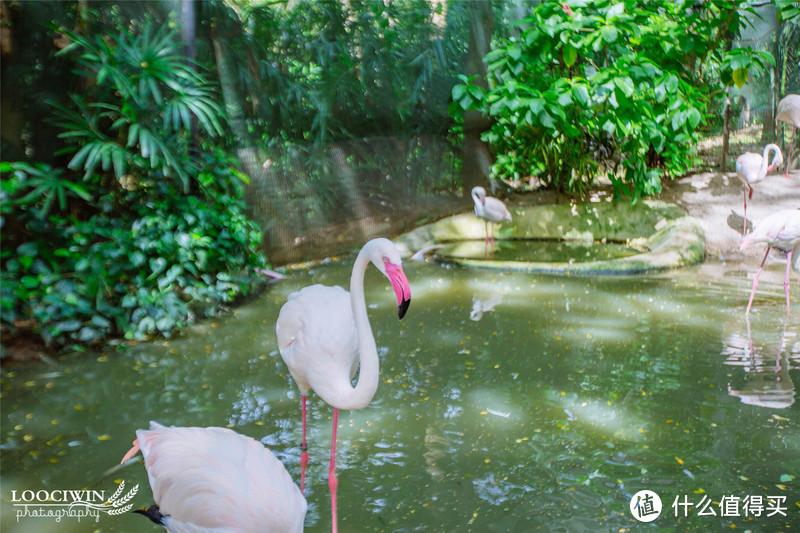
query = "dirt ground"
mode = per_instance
[{"x": 715, "y": 199}]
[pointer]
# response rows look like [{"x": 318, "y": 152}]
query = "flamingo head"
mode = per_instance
[
  {"x": 777, "y": 159},
  {"x": 479, "y": 194},
  {"x": 386, "y": 258}
]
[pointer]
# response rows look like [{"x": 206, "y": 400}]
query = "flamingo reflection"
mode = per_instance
[{"x": 768, "y": 382}]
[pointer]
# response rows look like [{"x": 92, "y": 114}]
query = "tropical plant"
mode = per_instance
[
  {"x": 142, "y": 232},
  {"x": 607, "y": 88},
  {"x": 138, "y": 115},
  {"x": 72, "y": 282}
]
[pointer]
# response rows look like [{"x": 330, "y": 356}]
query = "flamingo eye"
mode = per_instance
[{"x": 385, "y": 259}]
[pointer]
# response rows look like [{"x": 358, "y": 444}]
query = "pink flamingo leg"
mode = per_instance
[
  {"x": 755, "y": 282},
  {"x": 786, "y": 279},
  {"x": 332, "y": 481},
  {"x": 744, "y": 227},
  {"x": 303, "y": 451},
  {"x": 486, "y": 244}
]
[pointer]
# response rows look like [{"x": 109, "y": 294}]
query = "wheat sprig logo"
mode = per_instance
[{"x": 117, "y": 504}]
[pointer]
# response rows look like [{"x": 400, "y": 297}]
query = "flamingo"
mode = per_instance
[
  {"x": 214, "y": 480},
  {"x": 789, "y": 111},
  {"x": 490, "y": 209},
  {"x": 752, "y": 168},
  {"x": 778, "y": 230},
  {"x": 324, "y": 335}
]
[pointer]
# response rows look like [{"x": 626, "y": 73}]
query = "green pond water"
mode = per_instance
[
  {"x": 540, "y": 251},
  {"x": 507, "y": 402}
]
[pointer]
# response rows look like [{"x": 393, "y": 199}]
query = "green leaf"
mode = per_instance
[
  {"x": 581, "y": 94},
  {"x": 615, "y": 11},
  {"x": 740, "y": 77},
  {"x": 68, "y": 325},
  {"x": 609, "y": 33},
  {"x": 570, "y": 55}
]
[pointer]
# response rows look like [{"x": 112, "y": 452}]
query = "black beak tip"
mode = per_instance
[{"x": 402, "y": 308}]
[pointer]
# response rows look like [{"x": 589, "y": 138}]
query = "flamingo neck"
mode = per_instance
[
  {"x": 478, "y": 204},
  {"x": 762, "y": 171},
  {"x": 360, "y": 395}
]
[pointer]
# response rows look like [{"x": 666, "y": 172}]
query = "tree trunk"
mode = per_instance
[
  {"x": 188, "y": 28},
  {"x": 726, "y": 134},
  {"x": 475, "y": 154}
]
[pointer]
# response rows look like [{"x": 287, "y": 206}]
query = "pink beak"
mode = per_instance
[{"x": 400, "y": 287}]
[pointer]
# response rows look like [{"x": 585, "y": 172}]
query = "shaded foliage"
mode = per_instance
[{"x": 145, "y": 228}]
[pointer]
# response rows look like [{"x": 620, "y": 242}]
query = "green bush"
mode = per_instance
[
  {"x": 146, "y": 227},
  {"x": 76, "y": 282},
  {"x": 612, "y": 88}
]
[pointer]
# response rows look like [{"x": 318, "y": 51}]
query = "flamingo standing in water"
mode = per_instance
[
  {"x": 789, "y": 111},
  {"x": 490, "y": 209},
  {"x": 752, "y": 168},
  {"x": 324, "y": 335},
  {"x": 214, "y": 479},
  {"x": 778, "y": 230}
]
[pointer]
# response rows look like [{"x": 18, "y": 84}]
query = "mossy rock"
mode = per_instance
[{"x": 668, "y": 236}]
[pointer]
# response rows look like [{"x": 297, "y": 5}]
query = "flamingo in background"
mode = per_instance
[
  {"x": 789, "y": 112},
  {"x": 490, "y": 209},
  {"x": 214, "y": 479},
  {"x": 778, "y": 230},
  {"x": 324, "y": 335},
  {"x": 752, "y": 168}
]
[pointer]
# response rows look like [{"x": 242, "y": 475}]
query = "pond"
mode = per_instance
[
  {"x": 539, "y": 250},
  {"x": 507, "y": 402}
]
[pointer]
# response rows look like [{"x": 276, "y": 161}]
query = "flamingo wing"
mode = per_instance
[
  {"x": 789, "y": 110},
  {"x": 317, "y": 339},
  {"x": 780, "y": 229},
  {"x": 748, "y": 166},
  {"x": 495, "y": 210},
  {"x": 216, "y": 480}
]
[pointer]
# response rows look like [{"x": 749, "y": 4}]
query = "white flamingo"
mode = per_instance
[
  {"x": 778, "y": 230},
  {"x": 752, "y": 168},
  {"x": 324, "y": 335},
  {"x": 215, "y": 480},
  {"x": 789, "y": 111},
  {"x": 490, "y": 209}
]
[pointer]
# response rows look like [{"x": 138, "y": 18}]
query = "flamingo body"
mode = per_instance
[
  {"x": 778, "y": 230},
  {"x": 752, "y": 168},
  {"x": 319, "y": 344},
  {"x": 214, "y": 480},
  {"x": 324, "y": 336},
  {"x": 789, "y": 111},
  {"x": 490, "y": 209}
]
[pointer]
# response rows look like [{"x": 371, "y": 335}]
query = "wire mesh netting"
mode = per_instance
[
  {"x": 347, "y": 192},
  {"x": 752, "y": 108}
]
